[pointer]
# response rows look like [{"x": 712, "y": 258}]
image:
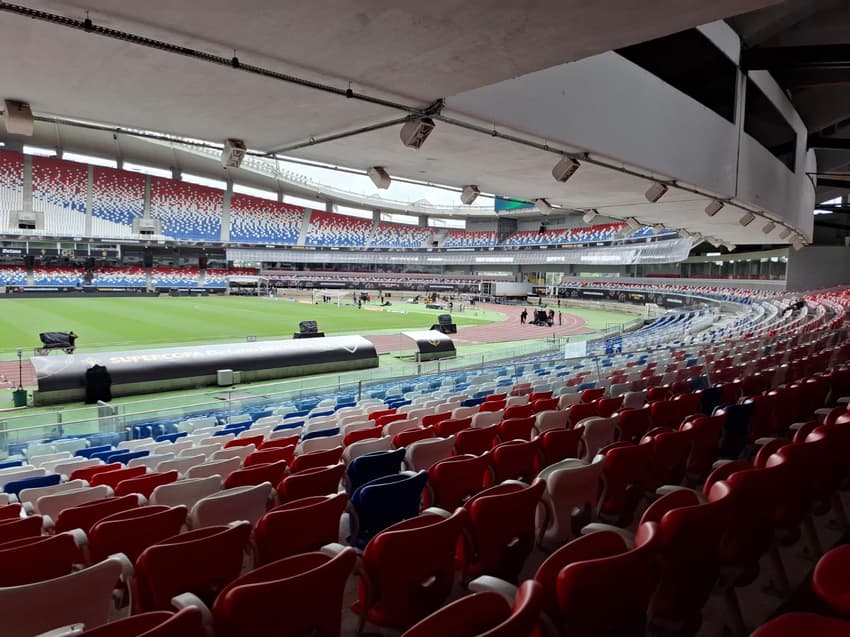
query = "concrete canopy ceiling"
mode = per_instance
[{"x": 412, "y": 53}]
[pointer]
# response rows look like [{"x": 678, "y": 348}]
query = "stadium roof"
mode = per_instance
[{"x": 169, "y": 67}]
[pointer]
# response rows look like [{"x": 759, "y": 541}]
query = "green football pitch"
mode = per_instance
[{"x": 130, "y": 323}]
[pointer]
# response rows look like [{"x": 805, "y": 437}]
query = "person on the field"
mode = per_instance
[
  {"x": 72, "y": 339},
  {"x": 523, "y": 317}
]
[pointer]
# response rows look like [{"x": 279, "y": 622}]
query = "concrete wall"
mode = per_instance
[
  {"x": 818, "y": 267},
  {"x": 610, "y": 106}
]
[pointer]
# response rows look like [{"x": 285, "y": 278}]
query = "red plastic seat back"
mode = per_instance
[
  {"x": 515, "y": 460},
  {"x": 281, "y": 442},
  {"x": 502, "y": 520},
  {"x": 386, "y": 419},
  {"x": 558, "y": 444},
  {"x": 269, "y": 455},
  {"x": 544, "y": 404},
  {"x": 518, "y": 411},
  {"x": 539, "y": 395},
  {"x": 517, "y": 428},
  {"x": 36, "y": 559},
  {"x": 633, "y": 424},
  {"x": 475, "y": 441},
  {"x": 495, "y": 405},
  {"x": 454, "y": 480},
  {"x": 706, "y": 432},
  {"x": 20, "y": 528},
  {"x": 298, "y": 595},
  {"x": 10, "y": 511},
  {"x": 272, "y": 472},
  {"x": 186, "y": 623},
  {"x": 665, "y": 413},
  {"x": 578, "y": 412},
  {"x": 316, "y": 459},
  {"x": 670, "y": 451},
  {"x": 626, "y": 581},
  {"x": 433, "y": 419},
  {"x": 85, "y": 516},
  {"x": 626, "y": 476},
  {"x": 146, "y": 483},
  {"x": 585, "y": 547},
  {"x": 310, "y": 482},
  {"x": 132, "y": 531},
  {"x": 404, "y": 438},
  {"x": 244, "y": 442},
  {"x": 592, "y": 395},
  {"x": 112, "y": 478},
  {"x": 450, "y": 427},
  {"x": 361, "y": 434},
  {"x": 88, "y": 473},
  {"x": 607, "y": 407},
  {"x": 299, "y": 526},
  {"x": 200, "y": 562},
  {"x": 688, "y": 576},
  {"x": 410, "y": 569}
]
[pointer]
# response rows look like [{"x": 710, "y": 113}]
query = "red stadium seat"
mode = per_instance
[
  {"x": 85, "y": 516},
  {"x": 408, "y": 570},
  {"x": 185, "y": 623},
  {"x": 200, "y": 562},
  {"x": 310, "y": 482},
  {"x": 146, "y": 483},
  {"x": 299, "y": 526},
  {"x": 132, "y": 531},
  {"x": 316, "y": 459},
  {"x": 475, "y": 441},
  {"x": 112, "y": 478},
  {"x": 88, "y": 473},
  {"x": 38, "y": 558},
  {"x": 452, "y": 481},
  {"x": 272, "y": 472}
]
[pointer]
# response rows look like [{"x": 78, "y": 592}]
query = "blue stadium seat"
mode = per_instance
[
  {"x": 383, "y": 502},
  {"x": 372, "y": 466},
  {"x": 16, "y": 486}
]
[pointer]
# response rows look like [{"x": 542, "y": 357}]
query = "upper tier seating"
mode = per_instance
[
  {"x": 11, "y": 184},
  {"x": 186, "y": 211},
  {"x": 469, "y": 239},
  {"x": 397, "y": 235},
  {"x": 255, "y": 220},
  {"x": 601, "y": 232},
  {"x": 57, "y": 276},
  {"x": 118, "y": 199},
  {"x": 12, "y": 275},
  {"x": 330, "y": 229},
  {"x": 59, "y": 191},
  {"x": 216, "y": 278},
  {"x": 187, "y": 277},
  {"x": 125, "y": 277}
]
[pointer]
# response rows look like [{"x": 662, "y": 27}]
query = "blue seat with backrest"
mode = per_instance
[
  {"x": 289, "y": 425},
  {"x": 92, "y": 451},
  {"x": 125, "y": 456},
  {"x": 372, "y": 466},
  {"x": 736, "y": 431},
  {"x": 171, "y": 437},
  {"x": 321, "y": 433},
  {"x": 11, "y": 463},
  {"x": 17, "y": 486},
  {"x": 383, "y": 502}
]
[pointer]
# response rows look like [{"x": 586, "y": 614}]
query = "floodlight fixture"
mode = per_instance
[
  {"x": 565, "y": 168},
  {"x": 469, "y": 194},
  {"x": 655, "y": 192},
  {"x": 714, "y": 206},
  {"x": 590, "y": 215},
  {"x": 379, "y": 177},
  {"x": 747, "y": 219}
]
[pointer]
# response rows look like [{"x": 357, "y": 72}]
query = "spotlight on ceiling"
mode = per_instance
[
  {"x": 590, "y": 215},
  {"x": 233, "y": 153},
  {"x": 414, "y": 132},
  {"x": 565, "y": 169},
  {"x": 543, "y": 206},
  {"x": 379, "y": 177},
  {"x": 658, "y": 228},
  {"x": 797, "y": 243},
  {"x": 768, "y": 227},
  {"x": 17, "y": 116},
  {"x": 655, "y": 192},
  {"x": 684, "y": 233},
  {"x": 714, "y": 206},
  {"x": 715, "y": 242},
  {"x": 729, "y": 246},
  {"x": 469, "y": 194},
  {"x": 634, "y": 224},
  {"x": 785, "y": 233},
  {"x": 747, "y": 219}
]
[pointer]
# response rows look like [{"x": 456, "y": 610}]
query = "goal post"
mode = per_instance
[{"x": 330, "y": 296}]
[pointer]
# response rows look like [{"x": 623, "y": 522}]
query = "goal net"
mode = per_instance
[{"x": 336, "y": 297}]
